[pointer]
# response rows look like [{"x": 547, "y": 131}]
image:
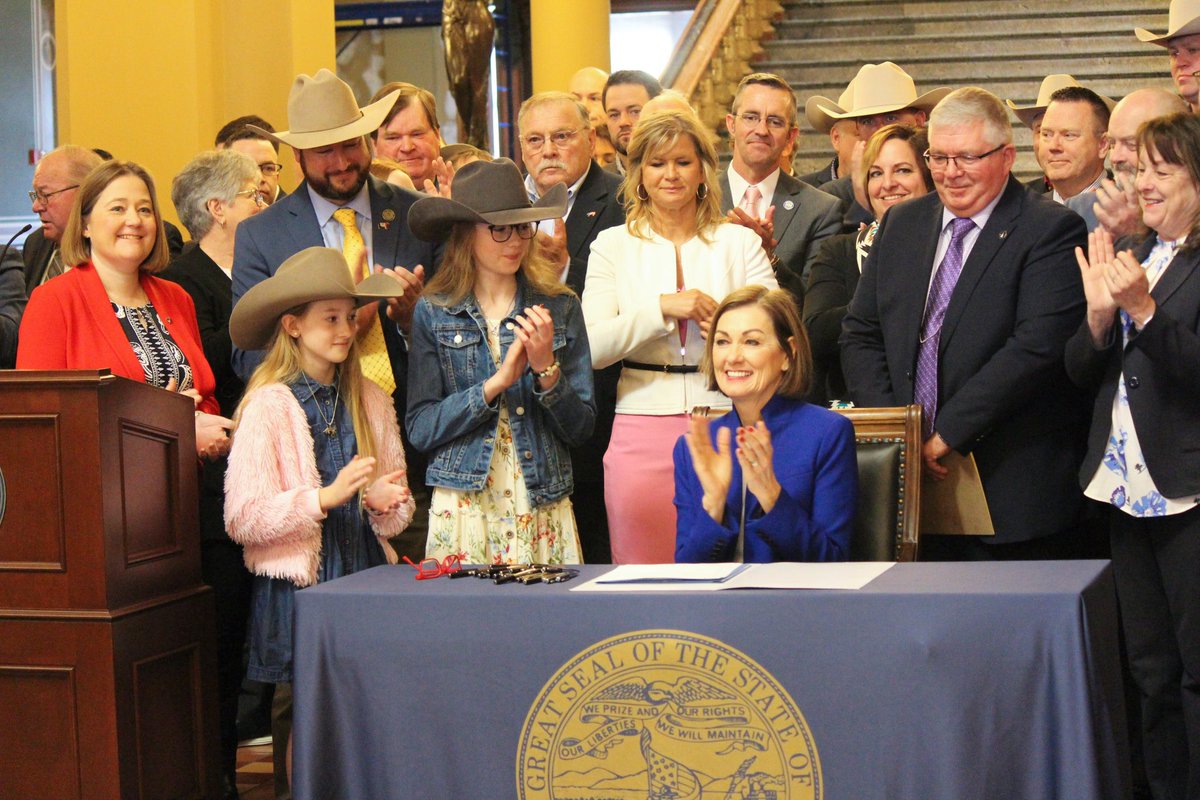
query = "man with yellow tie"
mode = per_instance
[{"x": 340, "y": 205}]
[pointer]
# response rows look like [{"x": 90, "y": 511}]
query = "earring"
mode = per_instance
[
  {"x": 640, "y": 191},
  {"x": 702, "y": 191}
]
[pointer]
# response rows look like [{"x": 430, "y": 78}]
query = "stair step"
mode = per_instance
[
  {"x": 931, "y": 71},
  {"x": 883, "y": 23},
  {"x": 821, "y": 10},
  {"x": 916, "y": 49}
]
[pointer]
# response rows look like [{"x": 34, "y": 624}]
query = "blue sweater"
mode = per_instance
[{"x": 816, "y": 466}]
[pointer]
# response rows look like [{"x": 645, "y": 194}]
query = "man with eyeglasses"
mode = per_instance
[
  {"x": 880, "y": 94},
  {"x": 965, "y": 306},
  {"x": 1074, "y": 144},
  {"x": 237, "y": 135},
  {"x": 557, "y": 141},
  {"x": 56, "y": 179},
  {"x": 790, "y": 216}
]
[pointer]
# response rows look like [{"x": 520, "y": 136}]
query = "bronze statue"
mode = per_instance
[{"x": 468, "y": 31}]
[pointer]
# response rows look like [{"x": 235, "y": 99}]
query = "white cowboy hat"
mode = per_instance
[
  {"x": 820, "y": 120},
  {"x": 882, "y": 88},
  {"x": 1050, "y": 84},
  {"x": 1182, "y": 20},
  {"x": 322, "y": 111}
]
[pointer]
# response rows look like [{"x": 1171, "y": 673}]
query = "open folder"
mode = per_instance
[{"x": 956, "y": 505}]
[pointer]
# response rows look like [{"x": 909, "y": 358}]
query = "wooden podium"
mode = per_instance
[{"x": 107, "y": 655}]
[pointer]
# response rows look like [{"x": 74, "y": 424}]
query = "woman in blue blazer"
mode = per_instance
[{"x": 776, "y": 478}]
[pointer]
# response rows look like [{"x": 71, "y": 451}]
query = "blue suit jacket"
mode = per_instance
[
  {"x": 1004, "y": 394},
  {"x": 266, "y": 240},
  {"x": 817, "y": 468}
]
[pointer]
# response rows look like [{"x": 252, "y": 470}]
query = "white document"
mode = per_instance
[
  {"x": 667, "y": 573},
  {"x": 780, "y": 575}
]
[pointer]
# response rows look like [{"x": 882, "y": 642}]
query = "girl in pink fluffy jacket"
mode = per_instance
[{"x": 316, "y": 483}]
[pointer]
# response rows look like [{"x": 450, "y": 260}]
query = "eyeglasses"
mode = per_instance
[
  {"x": 37, "y": 196},
  {"x": 752, "y": 119},
  {"x": 502, "y": 233},
  {"x": 536, "y": 141},
  {"x": 254, "y": 194},
  {"x": 939, "y": 161},
  {"x": 270, "y": 168},
  {"x": 431, "y": 568}
]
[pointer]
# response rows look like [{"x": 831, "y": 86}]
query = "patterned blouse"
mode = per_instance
[{"x": 160, "y": 357}]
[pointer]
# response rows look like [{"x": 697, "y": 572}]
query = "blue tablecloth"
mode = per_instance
[{"x": 936, "y": 680}]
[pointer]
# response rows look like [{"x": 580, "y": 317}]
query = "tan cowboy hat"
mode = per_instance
[
  {"x": 1182, "y": 20},
  {"x": 484, "y": 191},
  {"x": 820, "y": 120},
  {"x": 879, "y": 89},
  {"x": 1050, "y": 84},
  {"x": 322, "y": 111},
  {"x": 315, "y": 273}
]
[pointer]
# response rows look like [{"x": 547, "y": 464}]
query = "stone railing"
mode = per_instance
[{"x": 717, "y": 49}]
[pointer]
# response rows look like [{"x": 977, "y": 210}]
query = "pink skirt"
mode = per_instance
[{"x": 639, "y": 487}]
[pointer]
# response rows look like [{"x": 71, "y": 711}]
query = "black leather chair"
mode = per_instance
[{"x": 889, "y": 482}]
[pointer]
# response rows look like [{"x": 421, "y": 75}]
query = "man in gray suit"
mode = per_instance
[{"x": 790, "y": 216}]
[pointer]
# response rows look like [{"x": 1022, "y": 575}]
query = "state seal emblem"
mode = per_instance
[{"x": 664, "y": 714}]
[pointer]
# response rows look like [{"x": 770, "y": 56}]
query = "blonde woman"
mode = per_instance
[{"x": 652, "y": 287}]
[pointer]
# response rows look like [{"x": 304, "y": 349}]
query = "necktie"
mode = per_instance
[
  {"x": 925, "y": 389},
  {"x": 750, "y": 200},
  {"x": 55, "y": 267},
  {"x": 373, "y": 354}
]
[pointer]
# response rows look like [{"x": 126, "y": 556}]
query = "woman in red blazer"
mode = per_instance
[{"x": 110, "y": 312}]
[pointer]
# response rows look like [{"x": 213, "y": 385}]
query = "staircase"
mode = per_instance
[{"x": 1004, "y": 47}]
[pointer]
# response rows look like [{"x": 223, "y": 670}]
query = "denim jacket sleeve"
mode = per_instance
[
  {"x": 570, "y": 403},
  {"x": 435, "y": 417}
]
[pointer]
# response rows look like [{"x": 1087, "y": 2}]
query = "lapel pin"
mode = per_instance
[
  {"x": 388, "y": 215},
  {"x": 591, "y": 214},
  {"x": 1003, "y": 235},
  {"x": 788, "y": 205},
  {"x": 383, "y": 226}
]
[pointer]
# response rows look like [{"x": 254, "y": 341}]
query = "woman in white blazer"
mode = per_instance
[{"x": 651, "y": 289}]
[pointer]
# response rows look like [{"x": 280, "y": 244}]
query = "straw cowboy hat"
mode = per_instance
[
  {"x": 1050, "y": 84},
  {"x": 484, "y": 191},
  {"x": 322, "y": 111},
  {"x": 818, "y": 118},
  {"x": 880, "y": 89},
  {"x": 1182, "y": 20},
  {"x": 315, "y": 273}
]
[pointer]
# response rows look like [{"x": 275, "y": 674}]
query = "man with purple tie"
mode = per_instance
[{"x": 965, "y": 306}]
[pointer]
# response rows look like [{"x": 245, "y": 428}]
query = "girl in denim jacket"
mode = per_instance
[{"x": 500, "y": 375}]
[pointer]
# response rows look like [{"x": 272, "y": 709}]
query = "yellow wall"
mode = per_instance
[
  {"x": 564, "y": 37},
  {"x": 152, "y": 82}
]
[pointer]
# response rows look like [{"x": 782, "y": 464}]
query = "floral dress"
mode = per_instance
[{"x": 497, "y": 525}]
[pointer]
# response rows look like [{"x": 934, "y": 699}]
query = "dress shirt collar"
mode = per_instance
[
  {"x": 532, "y": 190},
  {"x": 325, "y": 208},
  {"x": 1093, "y": 186},
  {"x": 980, "y": 218},
  {"x": 738, "y": 186}
]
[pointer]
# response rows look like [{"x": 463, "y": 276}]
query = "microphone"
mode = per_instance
[{"x": 8, "y": 244}]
